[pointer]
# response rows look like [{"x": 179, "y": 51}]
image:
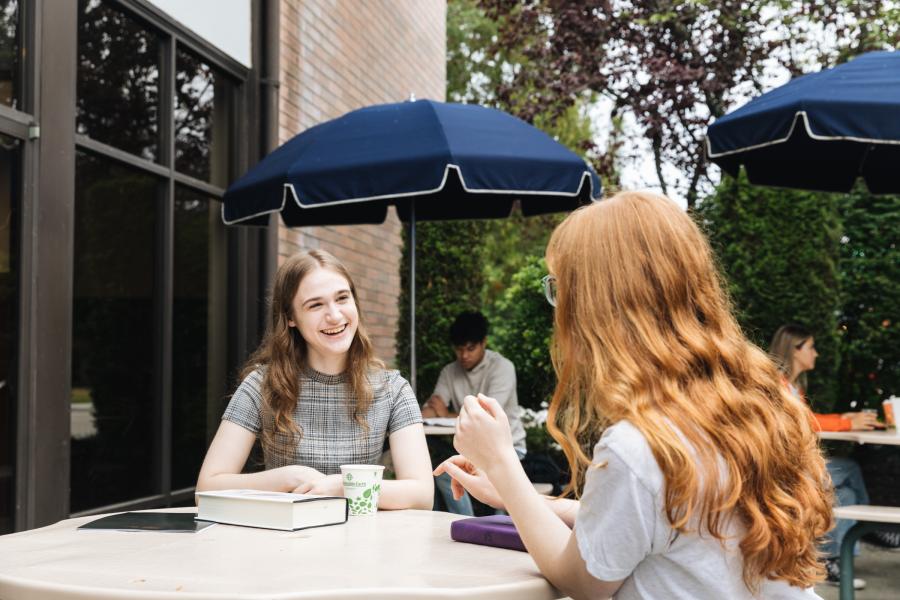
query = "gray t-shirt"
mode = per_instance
[
  {"x": 330, "y": 436},
  {"x": 494, "y": 376},
  {"x": 623, "y": 533}
]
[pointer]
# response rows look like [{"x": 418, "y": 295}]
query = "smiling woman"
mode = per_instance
[{"x": 317, "y": 397}]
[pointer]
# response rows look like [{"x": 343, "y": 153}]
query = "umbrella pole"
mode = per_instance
[{"x": 412, "y": 296}]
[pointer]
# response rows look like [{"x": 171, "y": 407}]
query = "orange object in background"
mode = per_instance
[{"x": 889, "y": 413}]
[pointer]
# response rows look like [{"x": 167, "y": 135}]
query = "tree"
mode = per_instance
[
  {"x": 675, "y": 65},
  {"x": 870, "y": 307},
  {"x": 522, "y": 325},
  {"x": 778, "y": 250}
]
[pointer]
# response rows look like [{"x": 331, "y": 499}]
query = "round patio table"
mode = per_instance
[{"x": 392, "y": 554}]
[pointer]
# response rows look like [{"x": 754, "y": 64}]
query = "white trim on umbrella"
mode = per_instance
[
  {"x": 255, "y": 215},
  {"x": 797, "y": 116},
  {"x": 290, "y": 188}
]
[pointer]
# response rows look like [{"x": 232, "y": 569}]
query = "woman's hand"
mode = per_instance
[
  {"x": 862, "y": 420},
  {"x": 467, "y": 477},
  {"x": 327, "y": 485},
  {"x": 437, "y": 405},
  {"x": 297, "y": 478},
  {"x": 482, "y": 434}
]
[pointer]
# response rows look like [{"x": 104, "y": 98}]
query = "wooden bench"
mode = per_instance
[{"x": 868, "y": 518}]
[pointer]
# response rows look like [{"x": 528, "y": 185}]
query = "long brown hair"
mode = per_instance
[
  {"x": 787, "y": 340},
  {"x": 283, "y": 351},
  {"x": 644, "y": 332}
]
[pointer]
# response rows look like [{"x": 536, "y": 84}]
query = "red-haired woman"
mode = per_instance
[
  {"x": 316, "y": 396},
  {"x": 707, "y": 481}
]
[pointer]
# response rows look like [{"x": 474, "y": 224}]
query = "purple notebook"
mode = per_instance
[{"x": 495, "y": 530}]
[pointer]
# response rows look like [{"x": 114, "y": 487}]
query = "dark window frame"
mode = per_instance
[
  {"x": 172, "y": 35},
  {"x": 19, "y": 123},
  {"x": 46, "y": 124}
]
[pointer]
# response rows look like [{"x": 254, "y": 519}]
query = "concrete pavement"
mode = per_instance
[{"x": 881, "y": 570}]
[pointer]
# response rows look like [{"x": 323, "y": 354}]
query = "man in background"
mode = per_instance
[{"x": 476, "y": 370}]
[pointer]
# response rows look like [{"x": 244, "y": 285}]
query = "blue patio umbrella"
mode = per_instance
[
  {"x": 432, "y": 160},
  {"x": 820, "y": 131}
]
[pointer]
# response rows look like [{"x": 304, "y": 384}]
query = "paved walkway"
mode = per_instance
[{"x": 881, "y": 570}]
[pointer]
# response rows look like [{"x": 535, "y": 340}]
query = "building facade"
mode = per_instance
[{"x": 126, "y": 306}]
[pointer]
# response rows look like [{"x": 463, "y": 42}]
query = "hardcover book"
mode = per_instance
[
  {"x": 493, "y": 530},
  {"x": 271, "y": 510}
]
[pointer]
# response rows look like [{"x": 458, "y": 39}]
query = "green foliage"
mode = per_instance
[
  {"x": 473, "y": 68},
  {"x": 870, "y": 280},
  {"x": 522, "y": 324},
  {"x": 509, "y": 245},
  {"x": 674, "y": 66},
  {"x": 449, "y": 280},
  {"x": 779, "y": 252},
  {"x": 831, "y": 262}
]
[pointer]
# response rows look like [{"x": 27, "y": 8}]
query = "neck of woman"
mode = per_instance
[{"x": 329, "y": 365}]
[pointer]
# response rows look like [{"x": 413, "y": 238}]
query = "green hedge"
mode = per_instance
[
  {"x": 522, "y": 323},
  {"x": 778, "y": 250},
  {"x": 870, "y": 282}
]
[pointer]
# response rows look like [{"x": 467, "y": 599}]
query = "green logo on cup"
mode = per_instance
[
  {"x": 362, "y": 485},
  {"x": 366, "y": 502}
]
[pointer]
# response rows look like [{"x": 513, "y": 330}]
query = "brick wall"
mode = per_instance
[{"x": 338, "y": 56}]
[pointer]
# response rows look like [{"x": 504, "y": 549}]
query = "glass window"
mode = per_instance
[
  {"x": 199, "y": 331},
  {"x": 10, "y": 54},
  {"x": 115, "y": 412},
  {"x": 9, "y": 291},
  {"x": 202, "y": 119},
  {"x": 118, "y": 80}
]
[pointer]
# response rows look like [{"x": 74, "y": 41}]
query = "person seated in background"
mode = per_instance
[
  {"x": 476, "y": 370},
  {"x": 794, "y": 350},
  {"x": 316, "y": 397}
]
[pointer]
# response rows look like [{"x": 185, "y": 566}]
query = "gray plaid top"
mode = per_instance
[{"x": 330, "y": 436}]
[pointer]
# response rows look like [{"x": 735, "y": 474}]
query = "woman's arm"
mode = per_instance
[
  {"x": 414, "y": 486},
  {"x": 225, "y": 460},
  {"x": 483, "y": 436},
  {"x": 468, "y": 477}
]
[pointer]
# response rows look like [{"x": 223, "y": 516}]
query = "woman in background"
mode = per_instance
[
  {"x": 794, "y": 349},
  {"x": 707, "y": 481},
  {"x": 316, "y": 396}
]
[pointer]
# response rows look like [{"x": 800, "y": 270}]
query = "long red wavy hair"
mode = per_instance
[{"x": 645, "y": 333}]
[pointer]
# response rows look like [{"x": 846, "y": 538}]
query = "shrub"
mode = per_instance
[
  {"x": 522, "y": 324},
  {"x": 870, "y": 307},
  {"x": 778, "y": 250}
]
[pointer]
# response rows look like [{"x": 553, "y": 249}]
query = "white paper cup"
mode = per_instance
[{"x": 362, "y": 486}]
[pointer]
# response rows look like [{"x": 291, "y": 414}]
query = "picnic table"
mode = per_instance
[
  {"x": 888, "y": 437},
  {"x": 868, "y": 518}
]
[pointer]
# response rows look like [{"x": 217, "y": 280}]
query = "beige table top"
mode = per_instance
[
  {"x": 889, "y": 437},
  {"x": 867, "y": 512},
  {"x": 393, "y": 554}
]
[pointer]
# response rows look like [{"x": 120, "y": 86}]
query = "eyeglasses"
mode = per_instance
[{"x": 549, "y": 283}]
